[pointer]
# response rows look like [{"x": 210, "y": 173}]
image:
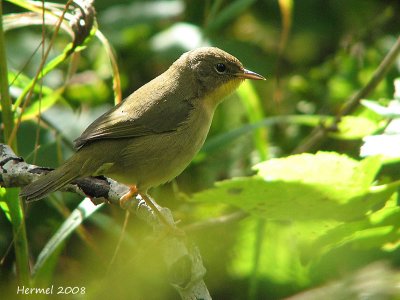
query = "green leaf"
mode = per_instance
[
  {"x": 337, "y": 172},
  {"x": 232, "y": 10},
  {"x": 290, "y": 247},
  {"x": 351, "y": 242},
  {"x": 354, "y": 128},
  {"x": 278, "y": 261},
  {"x": 252, "y": 104},
  {"x": 376, "y": 228},
  {"x": 304, "y": 187},
  {"x": 42, "y": 105}
]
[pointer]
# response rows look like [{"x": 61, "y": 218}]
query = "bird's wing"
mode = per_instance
[{"x": 138, "y": 117}]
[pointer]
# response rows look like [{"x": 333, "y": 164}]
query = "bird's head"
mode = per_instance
[{"x": 216, "y": 72}]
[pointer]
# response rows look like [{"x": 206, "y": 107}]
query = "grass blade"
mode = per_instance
[{"x": 46, "y": 257}]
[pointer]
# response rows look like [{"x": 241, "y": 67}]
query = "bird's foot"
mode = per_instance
[
  {"x": 126, "y": 199},
  {"x": 133, "y": 192}
]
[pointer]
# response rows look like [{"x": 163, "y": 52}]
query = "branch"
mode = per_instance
[
  {"x": 319, "y": 133},
  {"x": 183, "y": 261}
]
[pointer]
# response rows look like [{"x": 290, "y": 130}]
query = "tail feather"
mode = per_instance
[{"x": 49, "y": 183}]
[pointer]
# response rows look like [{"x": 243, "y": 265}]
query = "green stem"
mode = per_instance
[
  {"x": 258, "y": 245},
  {"x": 320, "y": 133},
  {"x": 43, "y": 69},
  {"x": 19, "y": 233},
  {"x": 379, "y": 74},
  {"x": 7, "y": 114},
  {"x": 11, "y": 198},
  {"x": 51, "y": 66}
]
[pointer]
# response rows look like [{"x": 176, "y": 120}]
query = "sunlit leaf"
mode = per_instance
[
  {"x": 304, "y": 187},
  {"x": 375, "y": 230},
  {"x": 387, "y": 145},
  {"x": 391, "y": 111},
  {"x": 279, "y": 259},
  {"x": 352, "y": 128}
]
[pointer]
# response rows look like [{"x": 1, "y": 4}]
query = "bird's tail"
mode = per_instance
[{"x": 50, "y": 182}]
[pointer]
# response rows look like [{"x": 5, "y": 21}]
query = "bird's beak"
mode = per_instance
[{"x": 247, "y": 74}]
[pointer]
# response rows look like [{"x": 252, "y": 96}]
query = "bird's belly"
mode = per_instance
[{"x": 152, "y": 160}]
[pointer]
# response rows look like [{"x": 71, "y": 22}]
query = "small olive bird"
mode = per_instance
[{"x": 151, "y": 136}]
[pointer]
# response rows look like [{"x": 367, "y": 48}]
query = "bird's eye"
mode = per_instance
[{"x": 220, "y": 68}]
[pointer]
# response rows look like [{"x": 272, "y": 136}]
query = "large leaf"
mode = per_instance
[
  {"x": 305, "y": 187},
  {"x": 293, "y": 252},
  {"x": 279, "y": 259}
]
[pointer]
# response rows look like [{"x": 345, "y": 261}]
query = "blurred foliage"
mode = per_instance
[{"x": 307, "y": 219}]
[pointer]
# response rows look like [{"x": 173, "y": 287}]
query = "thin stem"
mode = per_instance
[
  {"x": 318, "y": 134},
  {"x": 7, "y": 114},
  {"x": 376, "y": 78},
  {"x": 258, "y": 245},
  {"x": 19, "y": 236},
  {"x": 114, "y": 66},
  {"x": 43, "y": 43},
  {"x": 40, "y": 72},
  {"x": 11, "y": 199}
]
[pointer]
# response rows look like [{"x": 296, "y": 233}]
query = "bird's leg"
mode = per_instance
[{"x": 133, "y": 191}]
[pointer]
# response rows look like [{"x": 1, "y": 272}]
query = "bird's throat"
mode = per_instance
[{"x": 218, "y": 95}]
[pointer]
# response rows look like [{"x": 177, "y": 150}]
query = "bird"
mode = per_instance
[{"x": 152, "y": 135}]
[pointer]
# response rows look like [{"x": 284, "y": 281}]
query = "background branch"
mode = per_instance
[{"x": 319, "y": 133}]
